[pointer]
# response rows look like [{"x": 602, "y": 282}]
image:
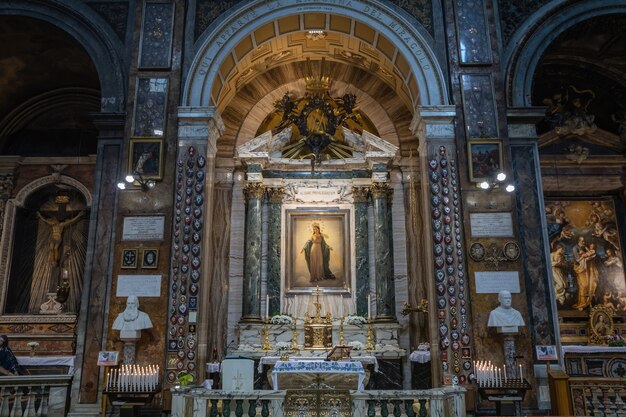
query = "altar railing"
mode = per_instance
[
  {"x": 583, "y": 396},
  {"x": 34, "y": 395},
  {"x": 448, "y": 401}
]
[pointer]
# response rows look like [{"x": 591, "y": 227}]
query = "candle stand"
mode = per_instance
[
  {"x": 130, "y": 387},
  {"x": 507, "y": 395}
]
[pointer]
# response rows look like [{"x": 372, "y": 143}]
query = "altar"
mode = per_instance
[{"x": 318, "y": 374}]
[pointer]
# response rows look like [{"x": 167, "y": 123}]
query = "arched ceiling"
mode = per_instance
[
  {"x": 48, "y": 84},
  {"x": 255, "y": 99},
  {"x": 313, "y": 35},
  {"x": 589, "y": 56},
  {"x": 280, "y": 53}
]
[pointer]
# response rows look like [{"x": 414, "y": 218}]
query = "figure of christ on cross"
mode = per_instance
[{"x": 56, "y": 234}]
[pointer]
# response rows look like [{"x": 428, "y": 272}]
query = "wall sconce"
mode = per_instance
[
  {"x": 137, "y": 180},
  {"x": 495, "y": 182}
]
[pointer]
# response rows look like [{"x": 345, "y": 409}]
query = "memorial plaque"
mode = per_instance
[
  {"x": 139, "y": 285},
  {"x": 494, "y": 282},
  {"x": 491, "y": 224},
  {"x": 143, "y": 228}
]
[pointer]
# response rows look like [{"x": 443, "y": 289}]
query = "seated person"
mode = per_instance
[{"x": 8, "y": 362}]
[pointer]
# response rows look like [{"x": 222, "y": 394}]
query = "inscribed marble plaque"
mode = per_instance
[
  {"x": 139, "y": 285},
  {"x": 491, "y": 224},
  {"x": 494, "y": 282},
  {"x": 143, "y": 228}
]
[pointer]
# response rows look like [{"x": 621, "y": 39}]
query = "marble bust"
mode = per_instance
[
  {"x": 131, "y": 321},
  {"x": 504, "y": 315}
]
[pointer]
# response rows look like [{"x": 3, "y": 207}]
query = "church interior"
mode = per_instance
[{"x": 313, "y": 208}]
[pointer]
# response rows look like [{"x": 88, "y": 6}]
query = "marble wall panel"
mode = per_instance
[
  {"x": 235, "y": 287},
  {"x": 156, "y": 35},
  {"x": 150, "y": 107},
  {"x": 473, "y": 37},
  {"x": 479, "y": 106},
  {"x": 529, "y": 205},
  {"x": 219, "y": 302}
]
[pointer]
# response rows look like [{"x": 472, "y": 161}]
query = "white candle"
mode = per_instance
[
  {"x": 267, "y": 305},
  {"x": 520, "y": 372},
  {"x": 295, "y": 305},
  {"x": 340, "y": 306},
  {"x": 505, "y": 374},
  {"x": 369, "y": 305}
]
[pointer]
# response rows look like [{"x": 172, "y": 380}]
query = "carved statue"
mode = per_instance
[
  {"x": 504, "y": 315},
  {"x": 132, "y": 319},
  {"x": 56, "y": 237}
]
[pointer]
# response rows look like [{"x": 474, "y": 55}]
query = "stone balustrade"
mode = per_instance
[
  {"x": 34, "y": 395},
  {"x": 447, "y": 401}
]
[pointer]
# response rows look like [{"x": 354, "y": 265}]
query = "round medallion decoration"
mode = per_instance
[
  {"x": 477, "y": 252},
  {"x": 511, "y": 251}
]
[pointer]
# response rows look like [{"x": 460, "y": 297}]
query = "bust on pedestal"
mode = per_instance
[
  {"x": 507, "y": 320},
  {"x": 130, "y": 323},
  {"x": 504, "y": 317}
]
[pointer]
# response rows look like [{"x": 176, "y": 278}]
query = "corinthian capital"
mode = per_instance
[
  {"x": 275, "y": 194},
  {"x": 254, "y": 190},
  {"x": 380, "y": 190},
  {"x": 360, "y": 194}
]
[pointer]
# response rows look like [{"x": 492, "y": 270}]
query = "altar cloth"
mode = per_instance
[
  {"x": 271, "y": 360},
  {"x": 319, "y": 367},
  {"x": 48, "y": 361}
]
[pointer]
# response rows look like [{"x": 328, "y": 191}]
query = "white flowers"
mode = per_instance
[
  {"x": 282, "y": 346},
  {"x": 281, "y": 319},
  {"x": 32, "y": 345},
  {"x": 357, "y": 320},
  {"x": 356, "y": 345}
]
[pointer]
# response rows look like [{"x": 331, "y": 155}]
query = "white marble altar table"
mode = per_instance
[
  {"x": 48, "y": 361},
  {"x": 318, "y": 367},
  {"x": 271, "y": 360}
]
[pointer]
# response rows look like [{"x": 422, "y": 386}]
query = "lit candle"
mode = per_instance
[{"x": 520, "y": 372}]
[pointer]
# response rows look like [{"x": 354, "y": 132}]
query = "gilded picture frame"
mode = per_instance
[
  {"x": 129, "y": 259},
  {"x": 145, "y": 158},
  {"x": 149, "y": 258},
  {"x": 484, "y": 159},
  {"x": 317, "y": 250},
  {"x": 600, "y": 324},
  {"x": 586, "y": 255}
]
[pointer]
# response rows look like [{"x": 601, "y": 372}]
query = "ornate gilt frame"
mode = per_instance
[{"x": 600, "y": 324}]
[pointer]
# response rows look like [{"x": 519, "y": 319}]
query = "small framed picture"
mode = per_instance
[
  {"x": 149, "y": 258},
  {"x": 485, "y": 159},
  {"x": 546, "y": 353},
  {"x": 107, "y": 358},
  {"x": 146, "y": 158},
  {"x": 129, "y": 258}
]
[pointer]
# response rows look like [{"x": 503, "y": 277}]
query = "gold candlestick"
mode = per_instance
[
  {"x": 342, "y": 340},
  {"x": 370, "y": 335},
  {"x": 294, "y": 337},
  {"x": 266, "y": 338}
]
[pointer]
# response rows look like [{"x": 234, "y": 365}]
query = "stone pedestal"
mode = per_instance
[{"x": 130, "y": 338}]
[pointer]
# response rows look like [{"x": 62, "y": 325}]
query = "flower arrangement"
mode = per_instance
[
  {"x": 281, "y": 319},
  {"x": 33, "y": 346},
  {"x": 184, "y": 378},
  {"x": 355, "y": 320},
  {"x": 615, "y": 340},
  {"x": 356, "y": 345},
  {"x": 282, "y": 346}
]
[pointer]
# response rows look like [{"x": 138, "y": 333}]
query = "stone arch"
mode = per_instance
[
  {"x": 8, "y": 229},
  {"x": 93, "y": 34},
  {"x": 531, "y": 40},
  {"x": 215, "y": 46}
]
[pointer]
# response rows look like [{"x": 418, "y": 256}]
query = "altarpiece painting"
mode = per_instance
[
  {"x": 586, "y": 254},
  {"x": 318, "y": 249}
]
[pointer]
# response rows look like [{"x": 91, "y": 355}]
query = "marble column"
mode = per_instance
[
  {"x": 92, "y": 320},
  {"x": 385, "y": 300},
  {"x": 360, "y": 196},
  {"x": 275, "y": 199},
  {"x": 254, "y": 193}
]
